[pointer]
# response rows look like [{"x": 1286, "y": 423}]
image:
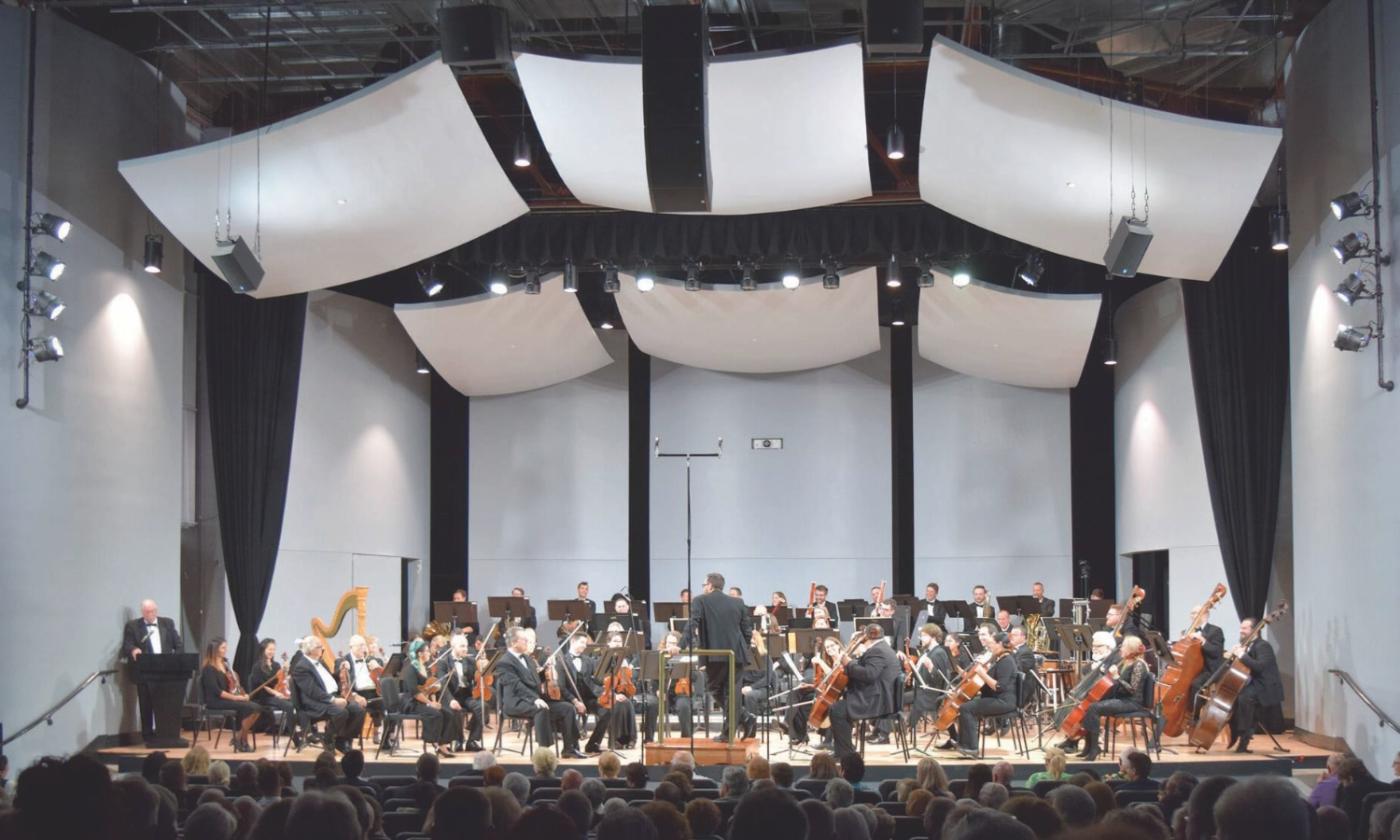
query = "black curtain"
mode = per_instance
[
  {"x": 252, "y": 359},
  {"x": 1237, "y": 332}
]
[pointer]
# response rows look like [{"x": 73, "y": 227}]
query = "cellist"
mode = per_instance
[
  {"x": 871, "y": 676},
  {"x": 1265, "y": 686},
  {"x": 1103, "y": 655},
  {"x": 998, "y": 695},
  {"x": 1127, "y": 695}
]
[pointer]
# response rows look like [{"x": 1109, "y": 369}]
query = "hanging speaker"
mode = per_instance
[
  {"x": 1127, "y": 247},
  {"x": 474, "y": 35},
  {"x": 673, "y": 107},
  {"x": 894, "y": 26}
]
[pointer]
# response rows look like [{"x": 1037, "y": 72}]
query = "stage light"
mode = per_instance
[
  {"x": 892, "y": 273},
  {"x": 894, "y": 142},
  {"x": 1353, "y": 339},
  {"x": 646, "y": 280},
  {"x": 429, "y": 281},
  {"x": 792, "y": 275},
  {"x": 499, "y": 285},
  {"x": 1031, "y": 270},
  {"x": 1350, "y": 204},
  {"x": 1278, "y": 229},
  {"x": 611, "y": 285},
  {"x": 154, "y": 253},
  {"x": 422, "y": 363},
  {"x": 896, "y": 323},
  {"x": 1351, "y": 246},
  {"x": 522, "y": 150},
  {"x": 532, "y": 281},
  {"x": 570, "y": 277},
  {"x": 47, "y": 265},
  {"x": 961, "y": 277},
  {"x": 925, "y": 277},
  {"x": 692, "y": 278},
  {"x": 47, "y": 224},
  {"x": 46, "y": 305},
  {"x": 746, "y": 282},
  {"x": 48, "y": 349},
  {"x": 607, "y": 325},
  {"x": 1110, "y": 353},
  {"x": 1353, "y": 288}
]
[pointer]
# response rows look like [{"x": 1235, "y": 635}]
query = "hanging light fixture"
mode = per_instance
[
  {"x": 47, "y": 265},
  {"x": 1354, "y": 339},
  {"x": 692, "y": 277},
  {"x": 746, "y": 281},
  {"x": 892, "y": 278},
  {"x": 47, "y": 349},
  {"x": 646, "y": 279},
  {"x": 45, "y": 305},
  {"x": 154, "y": 253},
  {"x": 428, "y": 279},
  {"x": 47, "y": 224},
  {"x": 570, "y": 277},
  {"x": 610, "y": 283},
  {"x": 894, "y": 135},
  {"x": 532, "y": 281},
  {"x": 1278, "y": 229}
]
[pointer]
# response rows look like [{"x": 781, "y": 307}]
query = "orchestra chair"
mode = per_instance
[
  {"x": 1015, "y": 720},
  {"x": 389, "y": 690},
  {"x": 205, "y": 719},
  {"x": 896, "y": 718},
  {"x": 527, "y": 745},
  {"x": 1147, "y": 720},
  {"x": 302, "y": 722}
]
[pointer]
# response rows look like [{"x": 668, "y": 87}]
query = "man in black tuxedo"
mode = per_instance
[
  {"x": 982, "y": 604},
  {"x": 720, "y": 622},
  {"x": 151, "y": 633},
  {"x": 1045, "y": 605},
  {"x": 522, "y": 694},
  {"x": 929, "y": 611},
  {"x": 582, "y": 688},
  {"x": 871, "y": 676},
  {"x": 1264, "y": 689},
  {"x": 318, "y": 696},
  {"x": 1212, "y": 650},
  {"x": 528, "y": 620}
]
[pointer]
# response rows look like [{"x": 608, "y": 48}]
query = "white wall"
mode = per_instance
[
  {"x": 90, "y": 490},
  {"x": 1346, "y": 466},
  {"x": 357, "y": 489},
  {"x": 1163, "y": 500}
]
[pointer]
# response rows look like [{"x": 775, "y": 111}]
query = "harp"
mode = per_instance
[{"x": 354, "y": 599}]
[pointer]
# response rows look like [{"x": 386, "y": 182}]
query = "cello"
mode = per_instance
[
  {"x": 1088, "y": 693},
  {"x": 830, "y": 688},
  {"x": 1220, "y": 698},
  {"x": 1174, "y": 685},
  {"x": 973, "y": 680}
]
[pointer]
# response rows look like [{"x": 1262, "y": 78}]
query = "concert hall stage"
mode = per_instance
[{"x": 881, "y": 764}]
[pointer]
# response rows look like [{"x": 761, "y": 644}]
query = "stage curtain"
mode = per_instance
[
  {"x": 252, "y": 358},
  {"x": 1237, "y": 333}
]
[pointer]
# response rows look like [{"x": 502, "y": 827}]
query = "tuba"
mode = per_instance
[{"x": 1037, "y": 634}]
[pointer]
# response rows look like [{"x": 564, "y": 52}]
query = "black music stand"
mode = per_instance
[
  {"x": 459, "y": 614},
  {"x": 569, "y": 610},
  {"x": 972, "y": 643},
  {"x": 852, "y": 608},
  {"x": 907, "y": 600},
  {"x": 804, "y": 641},
  {"x": 964, "y": 611},
  {"x": 168, "y": 675},
  {"x": 507, "y": 608},
  {"x": 799, "y": 622},
  {"x": 782, "y": 615},
  {"x": 1158, "y": 645},
  {"x": 667, "y": 612},
  {"x": 1067, "y": 607},
  {"x": 886, "y": 624},
  {"x": 1099, "y": 608}
]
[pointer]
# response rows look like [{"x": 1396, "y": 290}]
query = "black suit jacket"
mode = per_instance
[
  {"x": 1047, "y": 607},
  {"x": 1025, "y": 658},
  {"x": 719, "y": 622},
  {"x": 1265, "y": 680},
  {"x": 870, "y": 692},
  {"x": 930, "y": 612},
  {"x": 134, "y": 636},
  {"x": 313, "y": 697},
  {"x": 519, "y": 685},
  {"x": 986, "y": 612},
  {"x": 1212, "y": 647}
]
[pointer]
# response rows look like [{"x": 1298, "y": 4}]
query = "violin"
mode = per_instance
[
  {"x": 619, "y": 683},
  {"x": 551, "y": 681},
  {"x": 908, "y": 662},
  {"x": 232, "y": 677}
]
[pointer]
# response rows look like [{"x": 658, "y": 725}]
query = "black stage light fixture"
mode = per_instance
[
  {"x": 692, "y": 277},
  {"x": 474, "y": 35},
  {"x": 498, "y": 284},
  {"x": 646, "y": 279},
  {"x": 532, "y": 281},
  {"x": 570, "y": 277},
  {"x": 606, "y": 325},
  {"x": 892, "y": 278},
  {"x": 1031, "y": 269},
  {"x": 155, "y": 253},
  {"x": 1350, "y": 204},
  {"x": 925, "y": 275},
  {"x": 428, "y": 279},
  {"x": 522, "y": 150},
  {"x": 746, "y": 281},
  {"x": 1354, "y": 287},
  {"x": 1354, "y": 339},
  {"x": 1351, "y": 246},
  {"x": 611, "y": 284},
  {"x": 45, "y": 305},
  {"x": 792, "y": 275},
  {"x": 48, "y": 349},
  {"x": 894, "y": 142},
  {"x": 830, "y": 279},
  {"x": 1278, "y": 229},
  {"x": 1110, "y": 353},
  {"x": 47, "y": 224},
  {"x": 47, "y": 265},
  {"x": 421, "y": 364},
  {"x": 961, "y": 276}
]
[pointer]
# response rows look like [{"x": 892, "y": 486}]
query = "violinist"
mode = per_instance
[
  {"x": 871, "y": 676},
  {"x": 359, "y": 669},
  {"x": 221, "y": 690},
  {"x": 523, "y": 694},
  {"x": 458, "y": 673},
  {"x": 622, "y": 725},
  {"x": 319, "y": 695},
  {"x": 680, "y": 680},
  {"x": 423, "y": 696},
  {"x": 1127, "y": 695},
  {"x": 269, "y": 683},
  {"x": 998, "y": 695},
  {"x": 582, "y": 686},
  {"x": 932, "y": 669}
]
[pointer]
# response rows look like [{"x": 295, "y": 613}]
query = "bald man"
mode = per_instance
[{"x": 151, "y": 633}]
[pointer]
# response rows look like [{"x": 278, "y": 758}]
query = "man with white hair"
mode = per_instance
[
  {"x": 318, "y": 695},
  {"x": 482, "y": 760},
  {"x": 150, "y": 634},
  {"x": 360, "y": 667}
]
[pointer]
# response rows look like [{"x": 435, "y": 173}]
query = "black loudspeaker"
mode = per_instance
[
  {"x": 894, "y": 26},
  {"x": 673, "y": 107},
  {"x": 1127, "y": 247},
  {"x": 473, "y": 35}
]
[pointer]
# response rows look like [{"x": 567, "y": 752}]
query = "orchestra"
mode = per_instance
[{"x": 959, "y": 662}]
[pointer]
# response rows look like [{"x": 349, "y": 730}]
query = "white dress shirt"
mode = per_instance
[{"x": 153, "y": 633}]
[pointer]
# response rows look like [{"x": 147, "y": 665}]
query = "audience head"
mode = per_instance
[
  {"x": 570, "y": 779},
  {"x": 544, "y": 822},
  {"x": 609, "y": 765},
  {"x": 1200, "y": 807},
  {"x": 1137, "y": 765},
  {"x": 850, "y": 824},
  {"x": 1003, "y": 773},
  {"x": 150, "y": 766},
  {"x": 595, "y": 790},
  {"x": 626, "y": 824},
  {"x": 461, "y": 812},
  {"x": 322, "y": 815},
  {"x": 758, "y": 768},
  {"x": 574, "y": 805},
  {"x": 1383, "y": 817},
  {"x": 245, "y": 778},
  {"x": 172, "y": 776},
  {"x": 505, "y": 809},
  {"x": 544, "y": 761},
  {"x": 993, "y": 795},
  {"x": 917, "y": 802},
  {"x": 781, "y": 774},
  {"x": 734, "y": 782},
  {"x": 364, "y": 813},
  {"x": 935, "y": 815},
  {"x": 518, "y": 785},
  {"x": 839, "y": 793},
  {"x": 819, "y": 820},
  {"x": 219, "y": 773},
  {"x": 1103, "y": 797},
  {"x": 483, "y": 759},
  {"x": 822, "y": 766},
  {"x": 670, "y": 794},
  {"x": 1036, "y": 814},
  {"x": 704, "y": 817},
  {"x": 683, "y": 761},
  {"x": 977, "y": 775},
  {"x": 1074, "y": 805},
  {"x": 636, "y": 775},
  {"x": 929, "y": 775},
  {"x": 853, "y": 768},
  {"x": 1055, "y": 760},
  {"x": 493, "y": 776},
  {"x": 682, "y": 782},
  {"x": 669, "y": 821},
  {"x": 352, "y": 764},
  {"x": 1261, "y": 808},
  {"x": 1331, "y": 823},
  {"x": 196, "y": 761},
  {"x": 272, "y": 822},
  {"x": 135, "y": 808},
  {"x": 323, "y": 769},
  {"x": 987, "y": 824},
  {"x": 1142, "y": 821}
]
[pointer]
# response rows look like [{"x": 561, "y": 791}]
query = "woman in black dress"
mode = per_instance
[
  {"x": 221, "y": 690},
  {"x": 269, "y": 686},
  {"x": 441, "y": 724}
]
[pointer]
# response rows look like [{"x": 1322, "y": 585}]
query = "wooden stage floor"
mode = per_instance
[{"x": 882, "y": 762}]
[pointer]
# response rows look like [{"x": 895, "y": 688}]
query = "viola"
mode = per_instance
[
  {"x": 551, "y": 682},
  {"x": 1220, "y": 699},
  {"x": 1174, "y": 685},
  {"x": 619, "y": 683}
]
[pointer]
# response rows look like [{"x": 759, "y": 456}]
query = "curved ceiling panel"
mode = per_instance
[
  {"x": 788, "y": 131},
  {"x": 771, "y": 330},
  {"x": 380, "y": 179},
  {"x": 1029, "y": 158},
  {"x": 490, "y": 345},
  {"x": 1005, "y": 335},
  {"x": 589, "y": 113}
]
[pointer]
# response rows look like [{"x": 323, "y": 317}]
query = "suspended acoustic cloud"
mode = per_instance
[
  {"x": 504, "y": 344},
  {"x": 320, "y": 198},
  {"x": 1030, "y": 159},
  {"x": 1015, "y": 337},
  {"x": 772, "y": 329}
]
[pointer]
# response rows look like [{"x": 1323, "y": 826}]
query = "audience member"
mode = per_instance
[
  {"x": 150, "y": 766},
  {"x": 272, "y": 822},
  {"x": 636, "y": 775},
  {"x": 364, "y": 814},
  {"x": 247, "y": 812},
  {"x": 839, "y": 793},
  {"x": 324, "y": 773},
  {"x": 930, "y": 776},
  {"x": 494, "y": 776},
  {"x": 684, "y": 761},
  {"x": 1261, "y": 808},
  {"x": 574, "y": 805},
  {"x": 1103, "y": 797},
  {"x": 1137, "y": 768},
  {"x": 425, "y": 788},
  {"x": 1003, "y": 773},
  {"x": 1174, "y": 793},
  {"x": 936, "y": 814},
  {"x": 135, "y": 808},
  {"x": 481, "y": 760},
  {"x": 518, "y": 785},
  {"x": 977, "y": 775},
  {"x": 681, "y": 781},
  {"x": 172, "y": 778},
  {"x": 245, "y": 780},
  {"x": 917, "y": 802},
  {"x": 571, "y": 779},
  {"x": 596, "y": 792},
  {"x": 993, "y": 795},
  {"x": 668, "y": 793},
  {"x": 852, "y": 768},
  {"x": 196, "y": 762},
  {"x": 986, "y": 824},
  {"x": 541, "y": 823},
  {"x": 1383, "y": 816},
  {"x": 625, "y": 824},
  {"x": 1325, "y": 791},
  {"x": 819, "y": 820},
  {"x": 545, "y": 762},
  {"x": 1143, "y": 823},
  {"x": 269, "y": 783},
  {"x": 733, "y": 783},
  {"x": 850, "y": 824},
  {"x": 1054, "y": 768},
  {"x": 219, "y": 773},
  {"x": 1074, "y": 805},
  {"x": 822, "y": 766},
  {"x": 782, "y": 774},
  {"x": 1200, "y": 807},
  {"x": 1355, "y": 783},
  {"x": 704, "y": 818},
  {"x": 505, "y": 809},
  {"x": 1036, "y": 814},
  {"x": 1330, "y": 823},
  {"x": 609, "y": 765},
  {"x": 758, "y": 768},
  {"x": 882, "y": 820},
  {"x": 460, "y": 812},
  {"x": 321, "y": 815},
  {"x": 669, "y": 822}
]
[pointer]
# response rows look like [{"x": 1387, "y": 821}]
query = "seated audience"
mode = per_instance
[
  {"x": 1262, "y": 808},
  {"x": 704, "y": 818},
  {"x": 1036, "y": 814},
  {"x": 460, "y": 812},
  {"x": 822, "y": 766},
  {"x": 1137, "y": 767},
  {"x": 1174, "y": 793},
  {"x": 196, "y": 762},
  {"x": 977, "y": 775},
  {"x": 768, "y": 815},
  {"x": 1200, "y": 807},
  {"x": 219, "y": 773},
  {"x": 734, "y": 783},
  {"x": 1330, "y": 823},
  {"x": 519, "y": 787},
  {"x": 839, "y": 794},
  {"x": 1325, "y": 791},
  {"x": 609, "y": 765},
  {"x": 636, "y": 775},
  {"x": 1074, "y": 805},
  {"x": 1003, "y": 773},
  {"x": 993, "y": 795},
  {"x": 545, "y": 762},
  {"x": 1054, "y": 768}
]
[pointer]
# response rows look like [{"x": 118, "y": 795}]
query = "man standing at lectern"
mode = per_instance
[
  {"x": 720, "y": 622},
  {"x": 151, "y": 633}
]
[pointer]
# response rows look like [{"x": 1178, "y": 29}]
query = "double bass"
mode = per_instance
[
  {"x": 1174, "y": 684},
  {"x": 1086, "y": 695},
  {"x": 1220, "y": 698}
]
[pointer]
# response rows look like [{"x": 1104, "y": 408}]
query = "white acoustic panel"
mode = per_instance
[
  {"x": 788, "y": 131},
  {"x": 770, "y": 330},
  {"x": 490, "y": 344},
  {"x": 382, "y": 178},
  {"x": 1006, "y": 335},
  {"x": 589, "y": 113},
  {"x": 1030, "y": 159}
]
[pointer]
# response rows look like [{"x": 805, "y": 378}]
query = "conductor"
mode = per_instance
[{"x": 719, "y": 622}]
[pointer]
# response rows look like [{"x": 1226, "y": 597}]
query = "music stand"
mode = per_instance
[
  {"x": 507, "y": 607},
  {"x": 907, "y": 600},
  {"x": 782, "y": 615},
  {"x": 393, "y": 666},
  {"x": 1010, "y": 603},
  {"x": 664, "y": 611},
  {"x": 1099, "y": 608},
  {"x": 886, "y": 624},
  {"x": 1158, "y": 645},
  {"x": 964, "y": 611},
  {"x": 1067, "y": 607},
  {"x": 804, "y": 641},
  {"x": 853, "y": 607},
  {"x": 799, "y": 622},
  {"x": 570, "y": 610},
  {"x": 972, "y": 643},
  {"x": 458, "y": 614}
]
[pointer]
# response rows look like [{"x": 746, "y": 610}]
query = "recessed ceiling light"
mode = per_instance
[{"x": 342, "y": 201}]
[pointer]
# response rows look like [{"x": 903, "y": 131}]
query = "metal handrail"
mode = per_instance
[
  {"x": 1385, "y": 719},
  {"x": 48, "y": 715}
]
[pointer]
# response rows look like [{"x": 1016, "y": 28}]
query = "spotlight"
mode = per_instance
[
  {"x": 1350, "y": 204},
  {"x": 522, "y": 150},
  {"x": 894, "y": 142},
  {"x": 46, "y": 305},
  {"x": 155, "y": 253},
  {"x": 47, "y": 224},
  {"x": 611, "y": 284},
  {"x": 792, "y": 275},
  {"x": 48, "y": 349},
  {"x": 607, "y": 325},
  {"x": 1110, "y": 353},
  {"x": 692, "y": 278},
  {"x": 532, "y": 281},
  {"x": 570, "y": 277},
  {"x": 47, "y": 265},
  {"x": 1351, "y": 246},
  {"x": 925, "y": 276},
  {"x": 896, "y": 323},
  {"x": 422, "y": 363},
  {"x": 646, "y": 281},
  {"x": 961, "y": 277},
  {"x": 1353, "y": 339},
  {"x": 746, "y": 282},
  {"x": 1353, "y": 288},
  {"x": 498, "y": 285},
  {"x": 1278, "y": 229},
  {"x": 892, "y": 273},
  {"x": 1031, "y": 269},
  {"x": 429, "y": 281}
]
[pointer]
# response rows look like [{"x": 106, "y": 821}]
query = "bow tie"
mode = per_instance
[{"x": 152, "y": 624}]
